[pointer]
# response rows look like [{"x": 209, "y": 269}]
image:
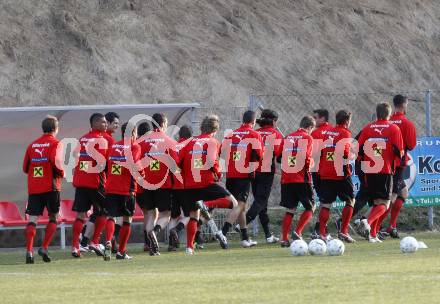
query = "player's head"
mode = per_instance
[
  {"x": 210, "y": 124},
  {"x": 249, "y": 117},
  {"x": 268, "y": 118},
  {"x": 383, "y": 111},
  {"x": 112, "y": 121},
  {"x": 50, "y": 125},
  {"x": 143, "y": 128},
  {"x": 98, "y": 122},
  {"x": 343, "y": 118},
  {"x": 400, "y": 103},
  {"x": 307, "y": 123},
  {"x": 127, "y": 127},
  {"x": 185, "y": 132},
  {"x": 160, "y": 121},
  {"x": 320, "y": 116}
]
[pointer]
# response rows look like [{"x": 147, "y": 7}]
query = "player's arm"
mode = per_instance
[
  {"x": 56, "y": 159},
  {"x": 279, "y": 154},
  {"x": 410, "y": 137},
  {"x": 397, "y": 142},
  {"x": 309, "y": 160}
]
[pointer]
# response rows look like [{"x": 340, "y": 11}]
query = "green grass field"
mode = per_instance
[{"x": 366, "y": 273}]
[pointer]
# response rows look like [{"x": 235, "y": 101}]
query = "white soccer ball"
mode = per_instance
[
  {"x": 299, "y": 248},
  {"x": 335, "y": 247},
  {"x": 317, "y": 247},
  {"x": 409, "y": 244}
]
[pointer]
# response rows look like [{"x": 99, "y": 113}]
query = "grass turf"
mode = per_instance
[{"x": 366, "y": 273}]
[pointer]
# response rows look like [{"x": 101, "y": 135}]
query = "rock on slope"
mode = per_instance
[{"x": 108, "y": 51}]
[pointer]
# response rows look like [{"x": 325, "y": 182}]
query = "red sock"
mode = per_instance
[
  {"x": 51, "y": 228},
  {"x": 347, "y": 213},
  {"x": 109, "y": 229},
  {"x": 373, "y": 230},
  {"x": 395, "y": 210},
  {"x": 99, "y": 227},
  {"x": 124, "y": 235},
  {"x": 76, "y": 231},
  {"x": 324, "y": 214},
  {"x": 191, "y": 230},
  {"x": 287, "y": 224},
  {"x": 223, "y": 203},
  {"x": 30, "y": 232},
  {"x": 381, "y": 219},
  {"x": 304, "y": 219},
  {"x": 376, "y": 213}
]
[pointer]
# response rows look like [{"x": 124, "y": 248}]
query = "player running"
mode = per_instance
[
  {"x": 380, "y": 143},
  {"x": 296, "y": 181},
  {"x": 159, "y": 151},
  {"x": 335, "y": 176},
  {"x": 120, "y": 190},
  {"x": 264, "y": 176},
  {"x": 201, "y": 169},
  {"x": 89, "y": 180},
  {"x": 43, "y": 166},
  {"x": 243, "y": 150},
  {"x": 321, "y": 117}
]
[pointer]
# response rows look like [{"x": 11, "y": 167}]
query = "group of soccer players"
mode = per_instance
[{"x": 176, "y": 183}]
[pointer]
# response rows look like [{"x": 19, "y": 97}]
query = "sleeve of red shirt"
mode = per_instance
[
  {"x": 397, "y": 140},
  {"x": 26, "y": 161},
  {"x": 56, "y": 158},
  {"x": 308, "y": 162},
  {"x": 410, "y": 136}
]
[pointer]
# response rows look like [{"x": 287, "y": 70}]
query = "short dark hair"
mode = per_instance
[
  {"x": 49, "y": 124},
  {"x": 342, "y": 117},
  {"x": 110, "y": 116},
  {"x": 383, "y": 110},
  {"x": 307, "y": 121},
  {"x": 210, "y": 124},
  {"x": 143, "y": 128},
  {"x": 158, "y": 120},
  {"x": 249, "y": 116},
  {"x": 185, "y": 131},
  {"x": 399, "y": 100},
  {"x": 95, "y": 117},
  {"x": 124, "y": 127},
  {"x": 322, "y": 113},
  {"x": 267, "y": 118}
]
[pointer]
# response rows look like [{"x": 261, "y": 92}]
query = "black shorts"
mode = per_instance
[
  {"x": 316, "y": 182},
  {"x": 177, "y": 202},
  {"x": 159, "y": 198},
  {"x": 119, "y": 205},
  {"x": 292, "y": 194},
  {"x": 85, "y": 198},
  {"x": 379, "y": 186},
  {"x": 209, "y": 193},
  {"x": 239, "y": 188},
  {"x": 398, "y": 180},
  {"x": 37, "y": 203},
  {"x": 331, "y": 189}
]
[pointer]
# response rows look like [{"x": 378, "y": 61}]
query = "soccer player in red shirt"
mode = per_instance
[
  {"x": 43, "y": 166},
  {"x": 159, "y": 160},
  {"x": 120, "y": 188},
  {"x": 264, "y": 176},
  {"x": 243, "y": 149},
  {"x": 321, "y": 117},
  {"x": 89, "y": 180},
  {"x": 335, "y": 175},
  {"x": 380, "y": 143},
  {"x": 296, "y": 181},
  {"x": 112, "y": 119},
  {"x": 400, "y": 191},
  {"x": 200, "y": 166},
  {"x": 178, "y": 220}
]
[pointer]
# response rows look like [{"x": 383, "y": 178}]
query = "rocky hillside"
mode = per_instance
[{"x": 132, "y": 51}]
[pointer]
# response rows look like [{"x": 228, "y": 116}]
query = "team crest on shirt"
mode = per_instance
[
  {"x": 236, "y": 155},
  {"x": 83, "y": 165},
  {"x": 154, "y": 165},
  {"x": 330, "y": 156},
  {"x": 116, "y": 169},
  {"x": 291, "y": 161},
  {"x": 377, "y": 151},
  {"x": 38, "y": 172},
  {"x": 198, "y": 163}
]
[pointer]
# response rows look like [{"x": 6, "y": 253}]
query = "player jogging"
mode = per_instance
[
  {"x": 380, "y": 143},
  {"x": 296, "y": 181},
  {"x": 43, "y": 168}
]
